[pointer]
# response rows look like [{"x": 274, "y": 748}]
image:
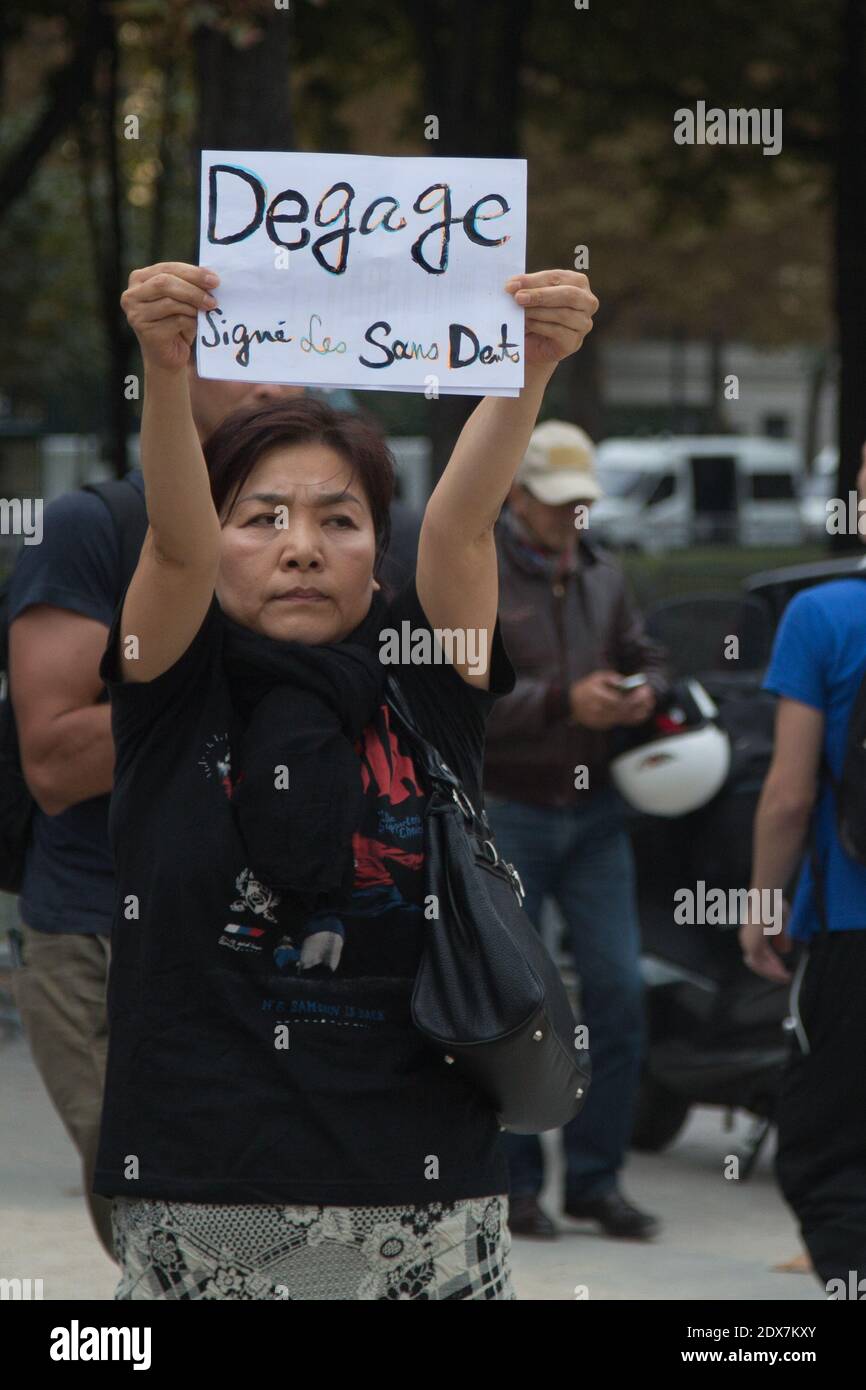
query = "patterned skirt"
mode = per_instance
[{"x": 185, "y": 1250}]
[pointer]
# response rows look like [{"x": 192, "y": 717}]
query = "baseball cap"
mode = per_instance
[{"x": 559, "y": 464}]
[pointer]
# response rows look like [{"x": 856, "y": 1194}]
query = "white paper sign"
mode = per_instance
[{"x": 364, "y": 272}]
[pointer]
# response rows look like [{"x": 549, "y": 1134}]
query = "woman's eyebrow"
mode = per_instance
[
  {"x": 323, "y": 500},
  {"x": 328, "y": 499}
]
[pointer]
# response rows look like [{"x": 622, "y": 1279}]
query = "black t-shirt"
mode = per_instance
[
  {"x": 68, "y": 880},
  {"x": 247, "y": 1063}
]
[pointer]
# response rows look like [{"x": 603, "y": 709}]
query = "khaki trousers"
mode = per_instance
[{"x": 59, "y": 989}]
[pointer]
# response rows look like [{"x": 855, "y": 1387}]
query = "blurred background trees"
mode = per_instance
[{"x": 684, "y": 242}]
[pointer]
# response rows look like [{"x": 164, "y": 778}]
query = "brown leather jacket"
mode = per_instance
[{"x": 561, "y": 620}]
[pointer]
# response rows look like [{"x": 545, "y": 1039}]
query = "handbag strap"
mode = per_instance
[
  {"x": 434, "y": 764},
  {"x": 446, "y": 781}
]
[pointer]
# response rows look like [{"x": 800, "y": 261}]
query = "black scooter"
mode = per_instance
[
  {"x": 716, "y": 1031},
  {"x": 716, "y": 1035}
]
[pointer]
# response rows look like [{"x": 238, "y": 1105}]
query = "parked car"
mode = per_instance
[{"x": 675, "y": 491}]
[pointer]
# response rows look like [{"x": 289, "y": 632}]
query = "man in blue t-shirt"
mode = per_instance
[
  {"x": 62, "y": 597},
  {"x": 817, "y": 666}
]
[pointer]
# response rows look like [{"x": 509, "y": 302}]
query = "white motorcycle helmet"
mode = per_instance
[{"x": 678, "y": 760}]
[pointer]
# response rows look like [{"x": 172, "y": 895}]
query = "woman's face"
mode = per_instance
[{"x": 289, "y": 529}]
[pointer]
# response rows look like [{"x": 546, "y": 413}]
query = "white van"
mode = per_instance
[{"x": 673, "y": 491}]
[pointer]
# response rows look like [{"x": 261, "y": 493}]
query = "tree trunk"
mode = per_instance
[
  {"x": 678, "y": 364},
  {"x": 850, "y": 260},
  {"x": 576, "y": 388},
  {"x": 69, "y": 89},
  {"x": 167, "y": 122},
  {"x": 107, "y": 243},
  {"x": 817, "y": 379},
  {"x": 470, "y": 57},
  {"x": 243, "y": 92},
  {"x": 715, "y": 386},
  {"x": 114, "y": 277}
]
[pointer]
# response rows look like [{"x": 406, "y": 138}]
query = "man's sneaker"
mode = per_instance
[
  {"x": 526, "y": 1218},
  {"x": 615, "y": 1215}
]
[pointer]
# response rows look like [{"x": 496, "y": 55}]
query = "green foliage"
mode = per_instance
[{"x": 698, "y": 240}]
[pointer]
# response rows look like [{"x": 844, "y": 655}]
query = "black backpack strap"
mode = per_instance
[
  {"x": 818, "y": 881},
  {"x": 129, "y": 515},
  {"x": 824, "y": 772}
]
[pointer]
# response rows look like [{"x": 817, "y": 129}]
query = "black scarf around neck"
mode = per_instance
[{"x": 297, "y": 794}]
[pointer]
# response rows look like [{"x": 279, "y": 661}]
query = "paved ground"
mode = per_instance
[{"x": 720, "y": 1240}]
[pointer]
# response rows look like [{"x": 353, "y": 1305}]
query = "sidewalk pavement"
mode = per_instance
[{"x": 719, "y": 1240}]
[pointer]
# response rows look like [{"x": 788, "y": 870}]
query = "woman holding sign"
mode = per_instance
[{"x": 273, "y": 1125}]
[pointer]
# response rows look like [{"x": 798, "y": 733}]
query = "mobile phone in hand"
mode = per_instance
[{"x": 630, "y": 683}]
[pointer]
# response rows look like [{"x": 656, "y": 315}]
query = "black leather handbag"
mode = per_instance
[{"x": 487, "y": 992}]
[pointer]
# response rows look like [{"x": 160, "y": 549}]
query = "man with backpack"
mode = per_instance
[
  {"x": 813, "y": 808},
  {"x": 61, "y": 600}
]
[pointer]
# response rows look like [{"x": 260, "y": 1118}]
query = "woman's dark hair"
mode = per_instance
[{"x": 239, "y": 441}]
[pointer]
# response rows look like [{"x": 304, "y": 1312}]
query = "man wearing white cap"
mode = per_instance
[{"x": 574, "y": 637}]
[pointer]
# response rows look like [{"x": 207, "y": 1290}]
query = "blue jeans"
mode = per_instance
[{"x": 582, "y": 858}]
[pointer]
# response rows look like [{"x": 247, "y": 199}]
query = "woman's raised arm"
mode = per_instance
[
  {"x": 456, "y": 576},
  {"x": 173, "y": 583}
]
